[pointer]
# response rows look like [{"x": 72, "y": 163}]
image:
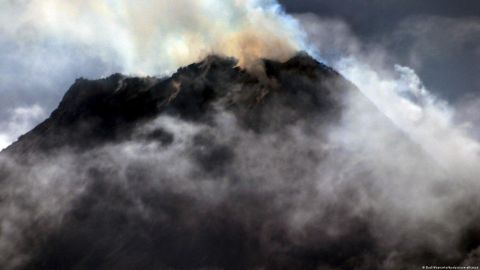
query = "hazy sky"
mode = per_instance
[{"x": 439, "y": 38}]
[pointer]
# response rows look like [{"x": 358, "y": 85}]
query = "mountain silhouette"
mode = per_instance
[{"x": 99, "y": 111}]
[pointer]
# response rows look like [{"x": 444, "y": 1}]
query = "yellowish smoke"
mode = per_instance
[{"x": 157, "y": 36}]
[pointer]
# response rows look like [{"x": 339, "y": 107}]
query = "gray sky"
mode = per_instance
[{"x": 439, "y": 38}]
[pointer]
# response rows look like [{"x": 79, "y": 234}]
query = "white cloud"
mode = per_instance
[{"x": 20, "y": 120}]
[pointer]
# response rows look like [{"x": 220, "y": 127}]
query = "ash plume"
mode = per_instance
[{"x": 155, "y": 37}]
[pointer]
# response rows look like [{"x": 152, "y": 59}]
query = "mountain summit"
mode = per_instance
[{"x": 100, "y": 111}]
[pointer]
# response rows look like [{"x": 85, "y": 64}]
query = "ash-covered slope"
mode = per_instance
[{"x": 217, "y": 168}]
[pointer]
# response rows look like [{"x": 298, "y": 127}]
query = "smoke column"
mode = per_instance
[{"x": 154, "y": 37}]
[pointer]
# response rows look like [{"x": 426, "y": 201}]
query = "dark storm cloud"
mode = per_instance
[
  {"x": 371, "y": 17},
  {"x": 420, "y": 34},
  {"x": 445, "y": 52}
]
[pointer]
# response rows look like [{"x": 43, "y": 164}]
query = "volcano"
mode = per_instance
[
  {"x": 215, "y": 167},
  {"x": 96, "y": 112}
]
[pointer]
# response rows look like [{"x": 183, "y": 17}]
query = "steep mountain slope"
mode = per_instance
[{"x": 92, "y": 112}]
